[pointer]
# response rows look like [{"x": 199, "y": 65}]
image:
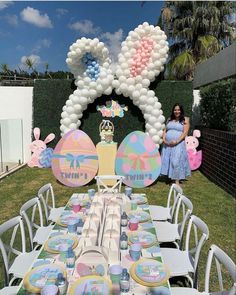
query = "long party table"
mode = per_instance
[{"x": 124, "y": 259}]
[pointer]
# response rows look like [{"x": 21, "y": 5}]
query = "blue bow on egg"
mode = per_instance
[{"x": 75, "y": 161}]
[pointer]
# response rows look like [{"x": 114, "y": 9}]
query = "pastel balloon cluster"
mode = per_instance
[
  {"x": 89, "y": 61},
  {"x": 142, "y": 58},
  {"x": 92, "y": 66}
]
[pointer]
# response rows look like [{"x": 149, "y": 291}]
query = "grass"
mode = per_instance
[{"x": 216, "y": 207}]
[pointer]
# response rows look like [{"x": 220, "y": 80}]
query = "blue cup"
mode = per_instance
[
  {"x": 91, "y": 192},
  {"x": 72, "y": 226},
  {"x": 128, "y": 191},
  {"x": 135, "y": 251}
]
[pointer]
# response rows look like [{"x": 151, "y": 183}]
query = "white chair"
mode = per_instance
[
  {"x": 161, "y": 213},
  {"x": 15, "y": 267},
  {"x": 11, "y": 290},
  {"x": 221, "y": 258},
  {"x": 172, "y": 232},
  {"x": 31, "y": 211},
  {"x": 46, "y": 195},
  {"x": 106, "y": 188},
  {"x": 185, "y": 262}
]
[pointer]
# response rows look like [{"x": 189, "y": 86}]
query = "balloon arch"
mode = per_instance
[{"x": 142, "y": 58}]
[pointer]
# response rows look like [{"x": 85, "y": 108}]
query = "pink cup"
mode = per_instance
[
  {"x": 76, "y": 207},
  {"x": 133, "y": 224}
]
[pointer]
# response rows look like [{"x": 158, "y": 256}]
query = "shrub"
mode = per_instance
[{"x": 218, "y": 105}]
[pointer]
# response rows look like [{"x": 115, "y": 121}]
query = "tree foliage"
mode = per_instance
[
  {"x": 196, "y": 30},
  {"x": 218, "y": 105}
]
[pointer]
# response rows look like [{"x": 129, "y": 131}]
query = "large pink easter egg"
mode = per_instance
[
  {"x": 75, "y": 160},
  {"x": 138, "y": 159}
]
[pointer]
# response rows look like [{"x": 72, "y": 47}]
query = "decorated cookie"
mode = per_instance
[{"x": 138, "y": 159}]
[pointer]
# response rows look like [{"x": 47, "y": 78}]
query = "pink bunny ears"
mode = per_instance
[
  {"x": 196, "y": 133},
  {"x": 48, "y": 139}
]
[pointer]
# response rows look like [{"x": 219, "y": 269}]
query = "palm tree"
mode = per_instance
[
  {"x": 46, "y": 65},
  {"x": 30, "y": 64},
  {"x": 196, "y": 30},
  {"x": 5, "y": 69}
]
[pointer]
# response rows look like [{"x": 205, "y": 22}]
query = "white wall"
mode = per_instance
[{"x": 16, "y": 103}]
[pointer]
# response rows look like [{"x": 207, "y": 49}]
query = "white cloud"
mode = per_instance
[
  {"x": 12, "y": 19},
  {"x": 33, "y": 16},
  {"x": 61, "y": 12},
  {"x": 36, "y": 60},
  {"x": 113, "y": 43},
  {"x": 85, "y": 27},
  {"x": 42, "y": 43},
  {"x": 20, "y": 47},
  {"x": 5, "y": 4}
]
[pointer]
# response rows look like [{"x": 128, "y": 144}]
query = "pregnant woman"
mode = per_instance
[{"x": 174, "y": 155}]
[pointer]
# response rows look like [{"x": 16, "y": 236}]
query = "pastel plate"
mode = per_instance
[
  {"x": 139, "y": 199},
  {"x": 66, "y": 216},
  {"x": 36, "y": 279},
  {"x": 142, "y": 216},
  {"x": 53, "y": 244},
  {"x": 149, "y": 272},
  {"x": 92, "y": 285},
  {"x": 146, "y": 239}
]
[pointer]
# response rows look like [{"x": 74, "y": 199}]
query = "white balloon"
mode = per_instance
[
  {"x": 70, "y": 110},
  {"x": 64, "y": 115},
  {"x": 73, "y": 117},
  {"x": 78, "y": 108},
  {"x": 66, "y": 121},
  {"x": 73, "y": 126},
  {"x": 69, "y": 103},
  {"x": 161, "y": 119},
  {"x": 145, "y": 82}
]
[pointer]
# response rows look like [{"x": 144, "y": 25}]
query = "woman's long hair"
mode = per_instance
[{"x": 181, "y": 117}]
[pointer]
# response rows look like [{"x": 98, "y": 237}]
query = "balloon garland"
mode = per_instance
[{"x": 142, "y": 58}]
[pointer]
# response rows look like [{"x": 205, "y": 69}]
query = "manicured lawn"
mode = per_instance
[{"x": 216, "y": 207}]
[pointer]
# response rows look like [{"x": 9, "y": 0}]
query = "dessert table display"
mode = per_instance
[{"x": 94, "y": 252}]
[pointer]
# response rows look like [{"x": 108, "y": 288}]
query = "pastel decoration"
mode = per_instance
[
  {"x": 68, "y": 216},
  {"x": 139, "y": 199},
  {"x": 37, "y": 278},
  {"x": 37, "y": 147},
  {"x": 145, "y": 238},
  {"x": 54, "y": 244},
  {"x": 194, "y": 156},
  {"x": 75, "y": 160},
  {"x": 142, "y": 57},
  {"x": 112, "y": 109},
  {"x": 135, "y": 251},
  {"x": 138, "y": 161},
  {"x": 45, "y": 158},
  {"x": 149, "y": 272},
  {"x": 140, "y": 215},
  {"x": 94, "y": 285}
]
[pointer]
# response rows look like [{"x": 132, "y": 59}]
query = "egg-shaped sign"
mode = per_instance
[{"x": 75, "y": 160}]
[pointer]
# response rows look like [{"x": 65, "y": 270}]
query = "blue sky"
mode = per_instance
[{"x": 46, "y": 29}]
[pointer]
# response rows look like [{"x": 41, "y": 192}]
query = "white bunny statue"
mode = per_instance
[{"x": 37, "y": 147}]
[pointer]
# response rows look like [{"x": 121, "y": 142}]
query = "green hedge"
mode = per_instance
[
  {"x": 218, "y": 105},
  {"x": 51, "y": 95}
]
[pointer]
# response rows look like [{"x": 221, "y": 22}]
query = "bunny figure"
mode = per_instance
[
  {"x": 37, "y": 147},
  {"x": 194, "y": 156}
]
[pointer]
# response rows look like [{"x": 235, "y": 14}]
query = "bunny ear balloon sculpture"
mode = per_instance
[{"x": 142, "y": 58}]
